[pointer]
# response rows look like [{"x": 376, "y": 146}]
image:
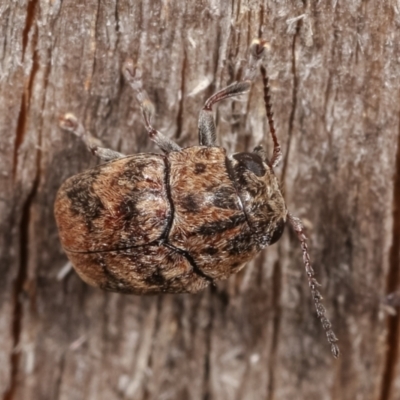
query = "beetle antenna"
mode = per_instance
[
  {"x": 277, "y": 154},
  {"x": 257, "y": 52},
  {"x": 313, "y": 284}
]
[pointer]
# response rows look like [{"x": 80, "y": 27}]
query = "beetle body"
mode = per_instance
[
  {"x": 178, "y": 221},
  {"x": 150, "y": 223}
]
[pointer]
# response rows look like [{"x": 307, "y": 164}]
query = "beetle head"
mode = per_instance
[{"x": 260, "y": 195}]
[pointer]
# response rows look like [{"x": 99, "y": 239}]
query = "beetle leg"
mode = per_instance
[
  {"x": 70, "y": 123},
  {"x": 206, "y": 125},
  {"x": 165, "y": 144},
  {"x": 134, "y": 78}
]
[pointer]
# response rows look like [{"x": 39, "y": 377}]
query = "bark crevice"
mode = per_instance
[
  {"x": 392, "y": 284},
  {"x": 19, "y": 293}
]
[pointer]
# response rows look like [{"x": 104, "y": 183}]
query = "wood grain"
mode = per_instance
[{"x": 335, "y": 73}]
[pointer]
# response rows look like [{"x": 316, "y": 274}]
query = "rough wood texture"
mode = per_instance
[{"x": 335, "y": 72}]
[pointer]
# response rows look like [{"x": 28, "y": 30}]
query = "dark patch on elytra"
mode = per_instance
[
  {"x": 113, "y": 283},
  {"x": 211, "y": 250},
  {"x": 199, "y": 168},
  {"x": 156, "y": 278},
  {"x": 191, "y": 202},
  {"x": 241, "y": 243},
  {"x": 129, "y": 215},
  {"x": 133, "y": 169},
  {"x": 127, "y": 209},
  {"x": 221, "y": 226},
  {"x": 225, "y": 197},
  {"x": 84, "y": 202}
]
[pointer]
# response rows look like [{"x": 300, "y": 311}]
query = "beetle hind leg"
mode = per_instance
[
  {"x": 133, "y": 77},
  {"x": 70, "y": 123}
]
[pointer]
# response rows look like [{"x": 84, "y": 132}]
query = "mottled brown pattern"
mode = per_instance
[
  {"x": 119, "y": 204},
  {"x": 199, "y": 168},
  {"x": 208, "y": 222},
  {"x": 140, "y": 270},
  {"x": 148, "y": 224}
]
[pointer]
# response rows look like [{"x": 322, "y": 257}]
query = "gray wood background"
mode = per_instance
[{"x": 335, "y": 73}]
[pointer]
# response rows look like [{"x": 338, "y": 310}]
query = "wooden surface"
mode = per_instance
[{"x": 335, "y": 74}]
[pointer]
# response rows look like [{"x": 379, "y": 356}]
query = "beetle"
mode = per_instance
[{"x": 179, "y": 221}]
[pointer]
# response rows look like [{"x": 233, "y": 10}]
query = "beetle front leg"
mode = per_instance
[
  {"x": 71, "y": 124},
  {"x": 134, "y": 79}
]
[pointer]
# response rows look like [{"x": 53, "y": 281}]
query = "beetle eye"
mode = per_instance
[
  {"x": 277, "y": 233},
  {"x": 252, "y": 162}
]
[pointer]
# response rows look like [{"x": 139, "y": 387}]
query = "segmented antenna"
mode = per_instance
[
  {"x": 257, "y": 51},
  {"x": 277, "y": 154},
  {"x": 313, "y": 284}
]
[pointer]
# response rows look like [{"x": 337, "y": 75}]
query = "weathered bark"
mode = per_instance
[{"x": 335, "y": 75}]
